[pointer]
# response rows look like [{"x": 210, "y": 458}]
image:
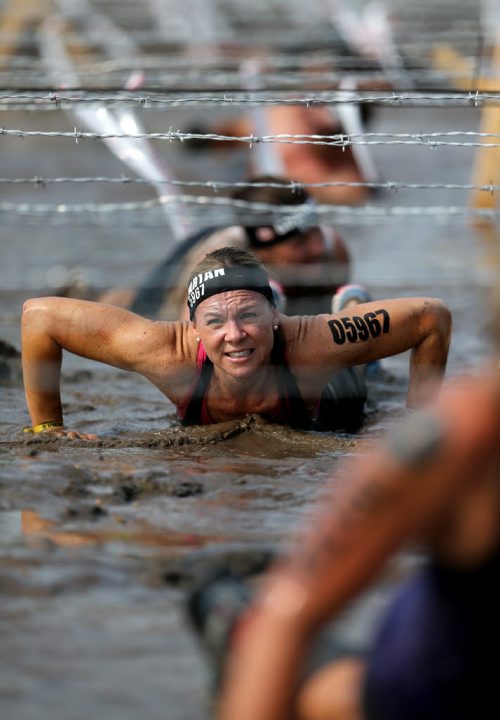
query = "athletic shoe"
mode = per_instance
[{"x": 349, "y": 293}]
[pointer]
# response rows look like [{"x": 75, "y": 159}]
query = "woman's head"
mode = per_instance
[
  {"x": 224, "y": 270},
  {"x": 232, "y": 308}
]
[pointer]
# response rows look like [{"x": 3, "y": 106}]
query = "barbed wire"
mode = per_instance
[
  {"x": 224, "y": 211},
  {"x": 341, "y": 140},
  {"x": 61, "y": 100},
  {"x": 216, "y": 185}
]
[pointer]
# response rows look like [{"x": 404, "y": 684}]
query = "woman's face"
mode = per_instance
[{"x": 236, "y": 328}]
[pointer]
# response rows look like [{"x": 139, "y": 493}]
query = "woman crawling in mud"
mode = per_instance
[{"x": 237, "y": 355}]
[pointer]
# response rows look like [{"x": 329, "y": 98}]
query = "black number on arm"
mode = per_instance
[
  {"x": 385, "y": 315},
  {"x": 360, "y": 328},
  {"x": 338, "y": 331},
  {"x": 373, "y": 324}
]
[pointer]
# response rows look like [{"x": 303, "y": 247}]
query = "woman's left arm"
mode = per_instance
[{"x": 372, "y": 331}]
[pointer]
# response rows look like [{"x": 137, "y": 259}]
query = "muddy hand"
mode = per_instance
[
  {"x": 71, "y": 434},
  {"x": 61, "y": 432}
]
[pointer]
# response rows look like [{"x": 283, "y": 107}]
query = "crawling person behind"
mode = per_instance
[
  {"x": 332, "y": 168},
  {"x": 307, "y": 261},
  {"x": 237, "y": 354}
]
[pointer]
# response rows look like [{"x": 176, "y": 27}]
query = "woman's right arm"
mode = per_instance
[
  {"x": 372, "y": 331},
  {"x": 99, "y": 332}
]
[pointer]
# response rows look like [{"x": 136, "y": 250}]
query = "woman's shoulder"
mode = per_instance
[
  {"x": 170, "y": 356},
  {"x": 304, "y": 338},
  {"x": 176, "y": 338},
  {"x": 296, "y": 329}
]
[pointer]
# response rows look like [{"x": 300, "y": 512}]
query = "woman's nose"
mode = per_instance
[{"x": 234, "y": 331}]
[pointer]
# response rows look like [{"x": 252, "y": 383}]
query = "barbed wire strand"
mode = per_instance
[
  {"x": 215, "y": 185},
  {"x": 58, "y": 100},
  {"x": 339, "y": 140},
  {"x": 253, "y": 208}
]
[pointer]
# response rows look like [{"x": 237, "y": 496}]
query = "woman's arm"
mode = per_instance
[
  {"x": 99, "y": 332},
  {"x": 318, "y": 346}
]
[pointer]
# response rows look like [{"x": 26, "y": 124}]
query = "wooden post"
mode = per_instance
[
  {"x": 486, "y": 169},
  {"x": 16, "y": 15},
  {"x": 486, "y": 166}
]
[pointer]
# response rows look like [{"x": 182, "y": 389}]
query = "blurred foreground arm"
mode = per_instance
[{"x": 413, "y": 487}]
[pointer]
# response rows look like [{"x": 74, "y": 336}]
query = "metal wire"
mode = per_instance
[
  {"x": 216, "y": 185},
  {"x": 430, "y": 140},
  {"x": 49, "y": 100},
  {"x": 222, "y": 210}
]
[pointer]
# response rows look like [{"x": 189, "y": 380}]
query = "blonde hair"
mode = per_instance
[
  {"x": 227, "y": 268},
  {"x": 226, "y": 257}
]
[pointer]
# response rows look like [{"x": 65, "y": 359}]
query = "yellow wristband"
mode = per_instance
[{"x": 44, "y": 426}]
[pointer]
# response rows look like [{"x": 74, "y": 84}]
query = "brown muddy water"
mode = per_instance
[{"x": 99, "y": 542}]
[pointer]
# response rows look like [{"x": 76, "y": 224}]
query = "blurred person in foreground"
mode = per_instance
[{"x": 433, "y": 484}]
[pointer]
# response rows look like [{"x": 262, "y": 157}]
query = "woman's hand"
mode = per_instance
[
  {"x": 63, "y": 432},
  {"x": 60, "y": 431}
]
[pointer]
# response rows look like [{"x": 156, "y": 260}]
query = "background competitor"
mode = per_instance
[{"x": 308, "y": 261}]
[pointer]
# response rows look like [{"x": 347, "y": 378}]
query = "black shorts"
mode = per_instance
[
  {"x": 342, "y": 406},
  {"x": 435, "y": 656}
]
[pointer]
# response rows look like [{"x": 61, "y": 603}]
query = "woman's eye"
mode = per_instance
[
  {"x": 249, "y": 315},
  {"x": 214, "y": 321}
]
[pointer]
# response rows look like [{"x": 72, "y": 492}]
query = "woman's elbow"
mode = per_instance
[
  {"x": 30, "y": 306},
  {"x": 435, "y": 329},
  {"x": 38, "y": 314},
  {"x": 442, "y": 319}
]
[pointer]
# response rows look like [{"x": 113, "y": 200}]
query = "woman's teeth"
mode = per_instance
[{"x": 239, "y": 353}]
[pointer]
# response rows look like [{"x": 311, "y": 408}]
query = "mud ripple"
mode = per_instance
[
  {"x": 276, "y": 438},
  {"x": 128, "y": 488}
]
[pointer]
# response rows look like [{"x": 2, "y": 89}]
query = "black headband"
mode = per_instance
[
  {"x": 235, "y": 277},
  {"x": 299, "y": 219}
]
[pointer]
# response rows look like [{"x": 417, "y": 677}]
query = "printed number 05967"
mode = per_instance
[{"x": 360, "y": 328}]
